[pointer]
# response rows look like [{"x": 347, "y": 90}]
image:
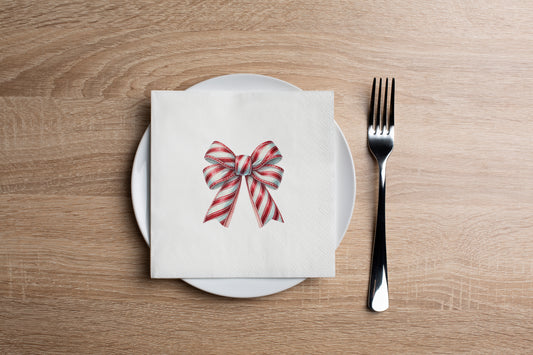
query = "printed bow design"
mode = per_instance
[{"x": 226, "y": 172}]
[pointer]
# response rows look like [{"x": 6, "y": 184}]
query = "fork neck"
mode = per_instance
[{"x": 382, "y": 165}]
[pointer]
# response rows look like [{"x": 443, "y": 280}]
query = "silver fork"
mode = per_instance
[{"x": 380, "y": 143}]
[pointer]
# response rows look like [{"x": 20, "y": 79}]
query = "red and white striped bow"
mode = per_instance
[{"x": 226, "y": 172}]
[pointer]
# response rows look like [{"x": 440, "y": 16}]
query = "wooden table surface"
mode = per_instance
[{"x": 75, "y": 81}]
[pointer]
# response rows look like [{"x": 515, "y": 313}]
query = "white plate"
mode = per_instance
[{"x": 243, "y": 287}]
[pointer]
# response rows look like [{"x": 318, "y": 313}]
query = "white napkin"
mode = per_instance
[{"x": 184, "y": 126}]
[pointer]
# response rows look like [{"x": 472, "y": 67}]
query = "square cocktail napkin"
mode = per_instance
[{"x": 242, "y": 184}]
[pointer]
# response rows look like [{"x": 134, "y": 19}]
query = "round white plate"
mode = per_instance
[{"x": 243, "y": 287}]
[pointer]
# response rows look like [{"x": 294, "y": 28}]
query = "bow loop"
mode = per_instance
[
  {"x": 218, "y": 153},
  {"x": 269, "y": 174},
  {"x": 265, "y": 153},
  {"x": 217, "y": 174}
]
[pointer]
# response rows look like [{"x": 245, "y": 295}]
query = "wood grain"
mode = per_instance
[{"x": 75, "y": 79}]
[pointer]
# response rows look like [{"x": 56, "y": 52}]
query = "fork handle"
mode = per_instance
[{"x": 378, "y": 290}]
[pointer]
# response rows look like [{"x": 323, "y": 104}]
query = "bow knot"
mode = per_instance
[
  {"x": 243, "y": 165},
  {"x": 260, "y": 171}
]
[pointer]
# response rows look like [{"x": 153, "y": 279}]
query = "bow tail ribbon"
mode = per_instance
[
  {"x": 262, "y": 203},
  {"x": 224, "y": 202}
]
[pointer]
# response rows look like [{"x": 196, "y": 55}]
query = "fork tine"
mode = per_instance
[
  {"x": 371, "y": 113},
  {"x": 385, "y": 105},
  {"x": 391, "y": 117},
  {"x": 378, "y": 110}
]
